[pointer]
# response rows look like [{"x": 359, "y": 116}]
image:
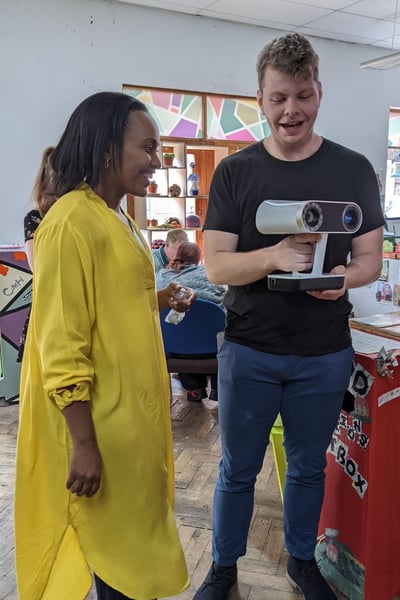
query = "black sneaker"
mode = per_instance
[
  {"x": 196, "y": 395},
  {"x": 306, "y": 577},
  {"x": 219, "y": 583}
]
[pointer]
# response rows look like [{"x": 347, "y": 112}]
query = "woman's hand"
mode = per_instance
[
  {"x": 85, "y": 463},
  {"x": 84, "y": 470},
  {"x": 168, "y": 297}
]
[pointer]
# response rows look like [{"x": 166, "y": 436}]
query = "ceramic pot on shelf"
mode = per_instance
[
  {"x": 152, "y": 187},
  {"x": 168, "y": 159}
]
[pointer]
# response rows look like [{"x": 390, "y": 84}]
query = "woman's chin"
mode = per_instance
[{"x": 139, "y": 191}]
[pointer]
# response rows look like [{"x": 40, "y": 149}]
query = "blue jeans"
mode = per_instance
[{"x": 253, "y": 387}]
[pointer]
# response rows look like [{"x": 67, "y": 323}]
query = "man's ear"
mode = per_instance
[
  {"x": 320, "y": 93},
  {"x": 260, "y": 100}
]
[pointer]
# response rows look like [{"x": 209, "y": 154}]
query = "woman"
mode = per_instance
[
  {"x": 187, "y": 272},
  {"x": 94, "y": 483},
  {"x": 42, "y": 201}
]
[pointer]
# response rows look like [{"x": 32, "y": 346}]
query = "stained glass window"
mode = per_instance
[
  {"x": 180, "y": 114},
  {"x": 177, "y": 114},
  {"x": 394, "y": 128},
  {"x": 236, "y": 119}
]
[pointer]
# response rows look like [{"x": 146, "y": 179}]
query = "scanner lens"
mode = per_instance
[
  {"x": 351, "y": 219},
  {"x": 312, "y": 216}
]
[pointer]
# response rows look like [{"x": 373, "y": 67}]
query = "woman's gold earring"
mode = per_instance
[{"x": 107, "y": 163}]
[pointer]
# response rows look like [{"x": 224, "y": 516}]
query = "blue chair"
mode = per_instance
[
  {"x": 191, "y": 346},
  {"x": 194, "y": 339}
]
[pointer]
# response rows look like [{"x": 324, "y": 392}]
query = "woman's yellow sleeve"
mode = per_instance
[{"x": 63, "y": 312}]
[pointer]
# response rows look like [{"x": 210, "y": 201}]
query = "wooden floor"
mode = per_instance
[{"x": 197, "y": 451}]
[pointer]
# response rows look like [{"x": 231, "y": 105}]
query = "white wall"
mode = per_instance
[{"x": 54, "y": 53}]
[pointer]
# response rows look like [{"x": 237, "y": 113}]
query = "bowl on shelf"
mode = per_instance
[
  {"x": 174, "y": 190},
  {"x": 172, "y": 222},
  {"x": 192, "y": 222}
]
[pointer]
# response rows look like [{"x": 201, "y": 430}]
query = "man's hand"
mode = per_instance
[
  {"x": 294, "y": 253},
  {"x": 331, "y": 294}
]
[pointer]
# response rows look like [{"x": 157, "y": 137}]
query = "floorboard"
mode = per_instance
[{"x": 197, "y": 452}]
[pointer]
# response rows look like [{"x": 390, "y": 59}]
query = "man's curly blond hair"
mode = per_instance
[{"x": 291, "y": 54}]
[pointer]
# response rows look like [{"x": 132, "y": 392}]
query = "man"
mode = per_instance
[
  {"x": 164, "y": 254},
  {"x": 284, "y": 352}
]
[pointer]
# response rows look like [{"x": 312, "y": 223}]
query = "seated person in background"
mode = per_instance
[
  {"x": 186, "y": 270},
  {"x": 162, "y": 256}
]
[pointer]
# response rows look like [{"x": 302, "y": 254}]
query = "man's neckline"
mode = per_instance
[{"x": 274, "y": 151}]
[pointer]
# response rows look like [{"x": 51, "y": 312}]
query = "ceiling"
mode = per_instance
[{"x": 372, "y": 22}]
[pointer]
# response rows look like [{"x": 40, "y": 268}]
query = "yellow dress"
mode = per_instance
[{"x": 95, "y": 325}]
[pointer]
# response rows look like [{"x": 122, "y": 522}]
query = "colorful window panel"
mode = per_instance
[
  {"x": 394, "y": 128},
  {"x": 236, "y": 119},
  {"x": 177, "y": 114}
]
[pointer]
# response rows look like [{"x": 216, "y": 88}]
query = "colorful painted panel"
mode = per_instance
[
  {"x": 15, "y": 301},
  {"x": 177, "y": 114},
  {"x": 394, "y": 128},
  {"x": 236, "y": 119}
]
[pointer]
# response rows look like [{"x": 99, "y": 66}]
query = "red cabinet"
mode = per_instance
[{"x": 359, "y": 532}]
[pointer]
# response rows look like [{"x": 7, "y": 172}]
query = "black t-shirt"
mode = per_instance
[{"x": 289, "y": 322}]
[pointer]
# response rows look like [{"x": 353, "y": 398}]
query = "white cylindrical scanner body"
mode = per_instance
[{"x": 292, "y": 216}]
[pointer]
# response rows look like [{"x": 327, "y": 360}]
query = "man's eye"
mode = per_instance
[{"x": 149, "y": 148}]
